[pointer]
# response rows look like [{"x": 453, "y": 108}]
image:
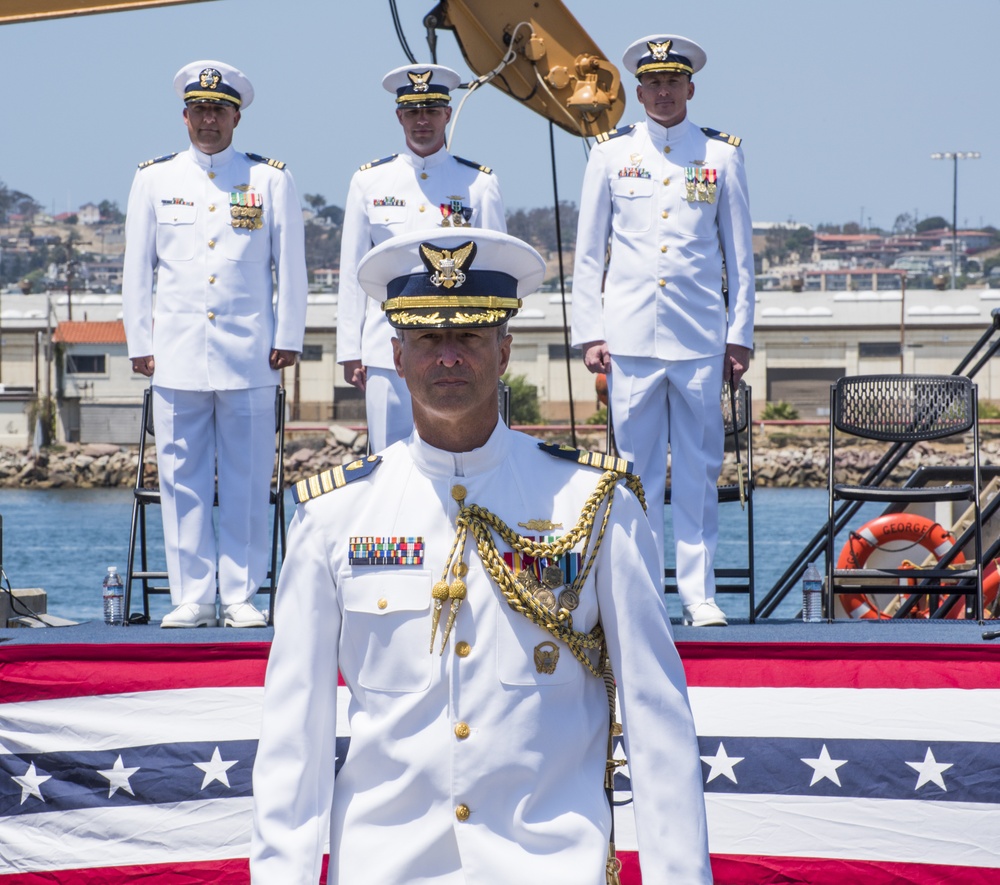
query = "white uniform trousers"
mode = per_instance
[
  {"x": 656, "y": 403},
  {"x": 199, "y": 432},
  {"x": 388, "y": 408}
]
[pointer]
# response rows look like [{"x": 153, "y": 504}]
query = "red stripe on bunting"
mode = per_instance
[
  {"x": 751, "y": 870},
  {"x": 48, "y": 672},
  {"x": 838, "y": 665},
  {"x": 215, "y": 872}
]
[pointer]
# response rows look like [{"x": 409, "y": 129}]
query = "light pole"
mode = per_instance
[{"x": 955, "y": 156}]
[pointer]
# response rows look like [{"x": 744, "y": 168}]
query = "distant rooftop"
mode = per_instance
[{"x": 76, "y": 332}]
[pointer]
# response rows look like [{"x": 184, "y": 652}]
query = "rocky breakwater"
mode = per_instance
[
  {"x": 99, "y": 465},
  {"x": 799, "y": 457},
  {"x": 783, "y": 457}
]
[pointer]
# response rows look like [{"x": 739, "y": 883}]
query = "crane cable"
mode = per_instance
[
  {"x": 398, "y": 25},
  {"x": 509, "y": 57}
]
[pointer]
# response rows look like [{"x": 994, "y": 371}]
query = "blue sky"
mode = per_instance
[{"x": 839, "y": 104}]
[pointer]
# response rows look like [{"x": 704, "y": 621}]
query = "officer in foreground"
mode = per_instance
[
  {"x": 422, "y": 187},
  {"x": 208, "y": 224},
  {"x": 672, "y": 198},
  {"x": 470, "y": 584}
]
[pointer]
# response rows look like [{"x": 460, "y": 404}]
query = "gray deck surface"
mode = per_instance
[{"x": 769, "y": 630}]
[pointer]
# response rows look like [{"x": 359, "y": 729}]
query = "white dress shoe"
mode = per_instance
[
  {"x": 704, "y": 614},
  {"x": 191, "y": 614},
  {"x": 242, "y": 614}
]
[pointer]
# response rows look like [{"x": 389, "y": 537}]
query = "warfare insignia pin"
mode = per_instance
[
  {"x": 540, "y": 525},
  {"x": 447, "y": 266},
  {"x": 421, "y": 82},
  {"x": 660, "y": 51},
  {"x": 209, "y": 78}
]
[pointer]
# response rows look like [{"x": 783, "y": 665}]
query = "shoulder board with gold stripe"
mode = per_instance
[
  {"x": 165, "y": 157},
  {"x": 614, "y": 133},
  {"x": 590, "y": 459},
  {"x": 334, "y": 478},
  {"x": 375, "y": 163},
  {"x": 734, "y": 140},
  {"x": 474, "y": 165},
  {"x": 277, "y": 164}
]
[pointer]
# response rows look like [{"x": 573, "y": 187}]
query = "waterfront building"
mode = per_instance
[{"x": 804, "y": 342}]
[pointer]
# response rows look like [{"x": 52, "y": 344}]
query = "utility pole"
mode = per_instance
[{"x": 955, "y": 156}]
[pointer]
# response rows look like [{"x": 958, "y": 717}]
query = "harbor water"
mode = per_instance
[{"x": 64, "y": 540}]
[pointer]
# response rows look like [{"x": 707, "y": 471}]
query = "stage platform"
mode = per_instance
[
  {"x": 831, "y": 753},
  {"x": 739, "y": 631}
]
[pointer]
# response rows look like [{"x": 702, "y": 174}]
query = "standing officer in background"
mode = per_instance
[
  {"x": 422, "y": 187},
  {"x": 209, "y": 224},
  {"x": 673, "y": 199},
  {"x": 469, "y": 584}
]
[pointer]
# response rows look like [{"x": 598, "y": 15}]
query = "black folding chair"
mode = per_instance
[{"x": 897, "y": 409}]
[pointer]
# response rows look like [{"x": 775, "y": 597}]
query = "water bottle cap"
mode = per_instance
[{"x": 112, "y": 570}]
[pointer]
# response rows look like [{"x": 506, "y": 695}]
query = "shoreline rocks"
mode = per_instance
[{"x": 782, "y": 458}]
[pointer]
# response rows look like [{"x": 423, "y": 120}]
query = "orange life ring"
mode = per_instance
[
  {"x": 601, "y": 387},
  {"x": 991, "y": 584},
  {"x": 883, "y": 530}
]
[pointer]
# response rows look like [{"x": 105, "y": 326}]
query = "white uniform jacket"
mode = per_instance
[
  {"x": 480, "y": 726},
  {"x": 663, "y": 293},
  {"x": 400, "y": 194},
  {"x": 215, "y": 320}
]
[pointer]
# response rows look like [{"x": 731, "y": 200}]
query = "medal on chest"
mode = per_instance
[
  {"x": 246, "y": 207},
  {"x": 700, "y": 184},
  {"x": 454, "y": 213}
]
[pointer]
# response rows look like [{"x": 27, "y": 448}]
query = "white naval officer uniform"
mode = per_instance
[
  {"x": 663, "y": 314},
  {"x": 403, "y": 193},
  {"x": 471, "y": 766},
  {"x": 210, "y": 328}
]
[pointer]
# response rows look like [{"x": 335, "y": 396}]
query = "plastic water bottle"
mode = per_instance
[
  {"x": 812, "y": 595},
  {"x": 114, "y": 598}
]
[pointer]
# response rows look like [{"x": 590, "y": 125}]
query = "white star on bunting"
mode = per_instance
[
  {"x": 722, "y": 763},
  {"x": 930, "y": 770},
  {"x": 824, "y": 767},
  {"x": 215, "y": 770},
  {"x": 118, "y": 777},
  {"x": 30, "y": 783}
]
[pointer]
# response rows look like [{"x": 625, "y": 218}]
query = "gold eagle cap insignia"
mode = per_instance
[
  {"x": 209, "y": 78},
  {"x": 421, "y": 82},
  {"x": 447, "y": 266},
  {"x": 660, "y": 51}
]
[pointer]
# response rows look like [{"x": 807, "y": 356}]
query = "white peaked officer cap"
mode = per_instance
[
  {"x": 664, "y": 52},
  {"x": 215, "y": 81},
  {"x": 452, "y": 279},
  {"x": 421, "y": 86}
]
